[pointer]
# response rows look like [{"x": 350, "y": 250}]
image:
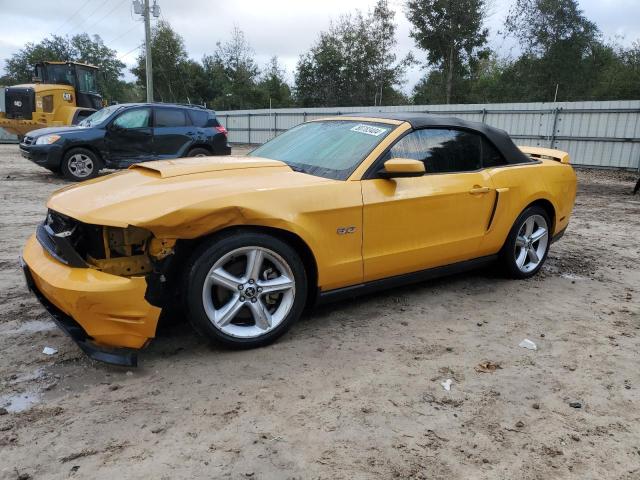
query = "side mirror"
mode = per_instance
[{"x": 402, "y": 167}]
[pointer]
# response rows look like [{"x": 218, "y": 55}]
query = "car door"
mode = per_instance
[
  {"x": 172, "y": 132},
  {"x": 129, "y": 137},
  {"x": 412, "y": 224}
]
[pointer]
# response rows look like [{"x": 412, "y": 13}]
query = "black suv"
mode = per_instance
[{"x": 120, "y": 135}]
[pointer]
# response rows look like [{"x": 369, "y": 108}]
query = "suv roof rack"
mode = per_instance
[{"x": 193, "y": 105}]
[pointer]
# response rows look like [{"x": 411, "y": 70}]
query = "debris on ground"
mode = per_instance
[
  {"x": 49, "y": 351},
  {"x": 447, "y": 384},
  {"x": 197, "y": 391},
  {"x": 487, "y": 367},
  {"x": 575, "y": 405},
  {"x": 85, "y": 452},
  {"x": 526, "y": 343}
]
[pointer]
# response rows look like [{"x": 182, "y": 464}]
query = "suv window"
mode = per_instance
[
  {"x": 203, "y": 118},
  {"x": 137, "y": 118},
  {"x": 170, "y": 117},
  {"x": 441, "y": 150}
]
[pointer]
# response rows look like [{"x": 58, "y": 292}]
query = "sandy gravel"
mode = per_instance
[{"x": 354, "y": 390}]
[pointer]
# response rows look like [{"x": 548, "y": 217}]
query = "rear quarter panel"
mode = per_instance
[{"x": 519, "y": 186}]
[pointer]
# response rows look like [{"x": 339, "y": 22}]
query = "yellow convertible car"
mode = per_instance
[{"x": 327, "y": 210}]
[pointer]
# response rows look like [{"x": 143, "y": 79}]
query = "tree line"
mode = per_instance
[{"x": 563, "y": 55}]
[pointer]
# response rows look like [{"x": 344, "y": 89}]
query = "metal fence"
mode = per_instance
[{"x": 597, "y": 134}]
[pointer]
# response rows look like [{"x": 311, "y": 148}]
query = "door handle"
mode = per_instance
[{"x": 476, "y": 190}]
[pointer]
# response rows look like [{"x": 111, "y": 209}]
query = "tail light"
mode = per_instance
[{"x": 221, "y": 130}]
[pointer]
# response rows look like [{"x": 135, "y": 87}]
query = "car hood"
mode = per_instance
[
  {"x": 178, "y": 197},
  {"x": 51, "y": 130}
]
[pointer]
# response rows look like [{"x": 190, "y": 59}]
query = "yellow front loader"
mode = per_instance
[{"x": 62, "y": 93}]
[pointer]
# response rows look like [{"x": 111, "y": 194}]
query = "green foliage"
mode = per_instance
[
  {"x": 452, "y": 35},
  {"x": 561, "y": 48},
  {"x": 238, "y": 74},
  {"x": 274, "y": 87},
  {"x": 353, "y": 63},
  {"x": 79, "y": 48},
  {"x": 543, "y": 26},
  {"x": 170, "y": 64},
  {"x": 227, "y": 79}
]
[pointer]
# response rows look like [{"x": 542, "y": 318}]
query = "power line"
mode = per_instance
[
  {"x": 121, "y": 35},
  {"x": 72, "y": 16},
  {"x": 120, "y": 57},
  {"x": 85, "y": 19},
  {"x": 105, "y": 15}
]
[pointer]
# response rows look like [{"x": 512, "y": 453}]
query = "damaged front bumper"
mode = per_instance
[{"x": 106, "y": 315}]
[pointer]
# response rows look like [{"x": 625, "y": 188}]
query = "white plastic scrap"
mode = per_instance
[
  {"x": 49, "y": 351},
  {"x": 447, "y": 384},
  {"x": 526, "y": 343}
]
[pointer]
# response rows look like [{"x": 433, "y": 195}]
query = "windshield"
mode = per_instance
[
  {"x": 86, "y": 80},
  {"x": 60, "y": 74},
  {"x": 98, "y": 117},
  {"x": 330, "y": 149}
]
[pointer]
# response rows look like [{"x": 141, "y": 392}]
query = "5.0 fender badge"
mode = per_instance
[{"x": 345, "y": 230}]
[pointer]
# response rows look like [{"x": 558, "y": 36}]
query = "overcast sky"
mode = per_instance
[{"x": 285, "y": 28}]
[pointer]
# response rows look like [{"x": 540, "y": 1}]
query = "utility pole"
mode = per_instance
[
  {"x": 147, "y": 47},
  {"x": 146, "y": 11}
]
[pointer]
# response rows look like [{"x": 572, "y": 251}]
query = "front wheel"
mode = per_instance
[
  {"x": 245, "y": 290},
  {"x": 528, "y": 243},
  {"x": 80, "y": 164}
]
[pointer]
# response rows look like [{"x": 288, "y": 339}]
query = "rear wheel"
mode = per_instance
[
  {"x": 199, "y": 152},
  {"x": 80, "y": 164},
  {"x": 245, "y": 290},
  {"x": 528, "y": 243}
]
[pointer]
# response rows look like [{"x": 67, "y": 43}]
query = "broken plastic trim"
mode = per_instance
[
  {"x": 115, "y": 356},
  {"x": 59, "y": 247}
]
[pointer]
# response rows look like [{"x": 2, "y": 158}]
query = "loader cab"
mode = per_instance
[{"x": 82, "y": 77}]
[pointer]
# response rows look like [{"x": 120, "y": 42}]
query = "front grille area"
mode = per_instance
[
  {"x": 121, "y": 251},
  {"x": 70, "y": 241},
  {"x": 28, "y": 140}
]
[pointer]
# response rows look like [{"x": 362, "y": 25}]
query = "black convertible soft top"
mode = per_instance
[{"x": 499, "y": 138}]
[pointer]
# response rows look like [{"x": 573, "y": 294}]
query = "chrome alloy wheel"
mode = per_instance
[
  {"x": 80, "y": 165},
  {"x": 531, "y": 243},
  {"x": 248, "y": 292}
]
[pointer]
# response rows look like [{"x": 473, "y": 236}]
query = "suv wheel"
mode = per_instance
[
  {"x": 245, "y": 290},
  {"x": 80, "y": 164},
  {"x": 199, "y": 152}
]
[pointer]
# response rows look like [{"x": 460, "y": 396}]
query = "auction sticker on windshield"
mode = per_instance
[{"x": 369, "y": 130}]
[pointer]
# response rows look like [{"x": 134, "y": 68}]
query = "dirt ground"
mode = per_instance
[{"x": 354, "y": 390}]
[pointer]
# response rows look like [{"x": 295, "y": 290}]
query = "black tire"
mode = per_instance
[
  {"x": 198, "y": 269},
  {"x": 509, "y": 252},
  {"x": 90, "y": 161},
  {"x": 199, "y": 152}
]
